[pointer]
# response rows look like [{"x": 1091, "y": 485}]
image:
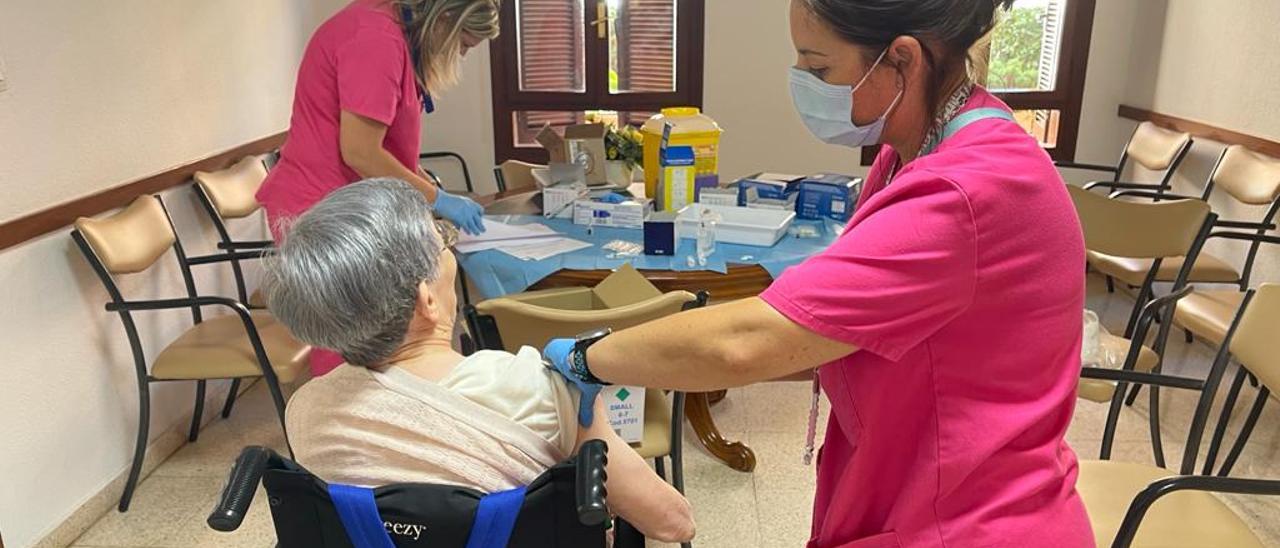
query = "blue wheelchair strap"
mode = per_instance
[
  {"x": 495, "y": 519},
  {"x": 359, "y": 515}
]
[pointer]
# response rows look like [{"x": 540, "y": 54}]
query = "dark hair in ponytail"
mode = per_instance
[{"x": 955, "y": 24}]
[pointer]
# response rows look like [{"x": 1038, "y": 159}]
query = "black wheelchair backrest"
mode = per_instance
[{"x": 564, "y": 507}]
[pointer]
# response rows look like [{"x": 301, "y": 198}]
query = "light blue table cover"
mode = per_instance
[{"x": 495, "y": 273}]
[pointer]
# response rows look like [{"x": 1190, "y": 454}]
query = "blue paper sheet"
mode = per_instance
[{"x": 495, "y": 273}]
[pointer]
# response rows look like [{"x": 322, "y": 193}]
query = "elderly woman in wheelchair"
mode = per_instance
[{"x": 365, "y": 273}]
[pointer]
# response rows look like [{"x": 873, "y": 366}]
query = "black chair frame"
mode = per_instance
[
  {"x": 229, "y": 245},
  {"x": 567, "y": 506},
  {"x": 195, "y": 302},
  {"x": 1147, "y": 309},
  {"x": 466, "y": 171},
  {"x": 1208, "y": 388}
]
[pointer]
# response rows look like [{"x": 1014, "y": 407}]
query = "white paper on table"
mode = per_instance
[
  {"x": 496, "y": 233},
  {"x": 543, "y": 248}
]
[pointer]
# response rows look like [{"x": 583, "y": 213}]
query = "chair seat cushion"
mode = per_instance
[
  {"x": 1182, "y": 519},
  {"x": 219, "y": 348},
  {"x": 1208, "y": 314},
  {"x": 657, "y": 425},
  {"x": 1111, "y": 345},
  {"x": 1208, "y": 269},
  {"x": 258, "y": 300}
]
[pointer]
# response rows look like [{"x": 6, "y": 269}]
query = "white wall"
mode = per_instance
[
  {"x": 101, "y": 93},
  {"x": 1213, "y": 62}
]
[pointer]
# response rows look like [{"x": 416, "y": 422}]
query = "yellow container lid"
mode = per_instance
[{"x": 684, "y": 120}]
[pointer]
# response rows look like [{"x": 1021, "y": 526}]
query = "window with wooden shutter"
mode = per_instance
[
  {"x": 557, "y": 60},
  {"x": 1036, "y": 62}
]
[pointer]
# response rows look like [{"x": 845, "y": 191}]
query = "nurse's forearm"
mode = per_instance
[
  {"x": 724, "y": 346},
  {"x": 380, "y": 163}
]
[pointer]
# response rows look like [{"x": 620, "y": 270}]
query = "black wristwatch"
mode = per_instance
[{"x": 578, "y": 358}]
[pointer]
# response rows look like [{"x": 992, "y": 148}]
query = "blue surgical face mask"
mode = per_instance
[{"x": 827, "y": 109}]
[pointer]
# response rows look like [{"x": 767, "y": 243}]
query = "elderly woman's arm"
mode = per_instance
[
  {"x": 724, "y": 346},
  {"x": 636, "y": 493}
]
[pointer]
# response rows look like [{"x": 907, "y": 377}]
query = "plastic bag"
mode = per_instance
[{"x": 1100, "y": 348}]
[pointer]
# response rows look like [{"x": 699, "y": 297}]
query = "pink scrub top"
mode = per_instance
[
  {"x": 962, "y": 283},
  {"x": 357, "y": 61}
]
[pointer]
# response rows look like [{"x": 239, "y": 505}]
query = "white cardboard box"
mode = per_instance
[
  {"x": 628, "y": 214},
  {"x": 625, "y": 405}
]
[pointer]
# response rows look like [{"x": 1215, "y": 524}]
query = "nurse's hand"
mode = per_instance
[
  {"x": 557, "y": 354},
  {"x": 463, "y": 211}
]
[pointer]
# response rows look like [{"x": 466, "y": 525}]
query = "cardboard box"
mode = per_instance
[
  {"x": 828, "y": 196},
  {"x": 581, "y": 144},
  {"x": 677, "y": 185},
  {"x": 772, "y": 186},
  {"x": 718, "y": 196},
  {"x": 584, "y": 145},
  {"x": 628, "y": 214},
  {"x": 625, "y": 405}
]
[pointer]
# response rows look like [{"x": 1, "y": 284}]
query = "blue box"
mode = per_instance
[
  {"x": 768, "y": 186},
  {"x": 828, "y": 196},
  {"x": 661, "y": 233}
]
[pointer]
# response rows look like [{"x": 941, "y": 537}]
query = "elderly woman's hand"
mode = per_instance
[{"x": 559, "y": 355}]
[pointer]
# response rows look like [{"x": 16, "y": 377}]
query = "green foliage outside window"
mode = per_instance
[{"x": 1016, "y": 48}]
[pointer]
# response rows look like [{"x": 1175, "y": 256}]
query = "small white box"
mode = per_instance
[
  {"x": 718, "y": 196},
  {"x": 740, "y": 225},
  {"x": 625, "y": 405},
  {"x": 557, "y": 201},
  {"x": 628, "y": 214}
]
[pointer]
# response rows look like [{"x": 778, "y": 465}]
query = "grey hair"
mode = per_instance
[{"x": 346, "y": 276}]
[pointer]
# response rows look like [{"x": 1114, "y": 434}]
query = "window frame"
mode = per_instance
[
  {"x": 1067, "y": 96},
  {"x": 508, "y": 98}
]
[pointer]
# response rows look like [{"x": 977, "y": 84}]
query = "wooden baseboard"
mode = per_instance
[
  {"x": 1202, "y": 130},
  {"x": 42, "y": 222}
]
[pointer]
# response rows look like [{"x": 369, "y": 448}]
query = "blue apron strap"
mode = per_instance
[
  {"x": 359, "y": 515},
  {"x": 495, "y": 519},
  {"x": 969, "y": 117}
]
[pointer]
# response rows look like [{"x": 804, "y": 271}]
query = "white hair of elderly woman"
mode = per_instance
[{"x": 346, "y": 275}]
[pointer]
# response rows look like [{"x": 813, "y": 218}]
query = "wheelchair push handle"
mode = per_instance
[
  {"x": 238, "y": 494},
  {"x": 589, "y": 485}
]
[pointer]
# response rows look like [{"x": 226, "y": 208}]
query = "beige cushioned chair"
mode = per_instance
[
  {"x": 1248, "y": 178},
  {"x": 1152, "y": 231},
  {"x": 231, "y": 194},
  {"x": 235, "y": 346},
  {"x": 622, "y": 300},
  {"x": 1134, "y": 504},
  {"x": 514, "y": 175}
]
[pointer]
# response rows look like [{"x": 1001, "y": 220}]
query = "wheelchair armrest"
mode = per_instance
[
  {"x": 590, "y": 492},
  {"x": 243, "y": 483}
]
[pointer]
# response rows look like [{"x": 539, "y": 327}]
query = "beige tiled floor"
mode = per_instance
[{"x": 768, "y": 508}]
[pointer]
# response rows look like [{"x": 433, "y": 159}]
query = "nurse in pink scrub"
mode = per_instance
[
  {"x": 366, "y": 78},
  {"x": 943, "y": 325}
]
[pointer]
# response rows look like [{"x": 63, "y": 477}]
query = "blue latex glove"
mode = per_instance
[
  {"x": 613, "y": 198},
  {"x": 557, "y": 353},
  {"x": 462, "y": 211}
]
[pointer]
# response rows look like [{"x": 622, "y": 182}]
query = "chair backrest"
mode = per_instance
[
  {"x": 1247, "y": 176},
  {"x": 1254, "y": 343},
  {"x": 1138, "y": 229},
  {"x": 1156, "y": 148},
  {"x": 521, "y": 323},
  {"x": 232, "y": 191},
  {"x": 132, "y": 239},
  {"x": 518, "y": 175}
]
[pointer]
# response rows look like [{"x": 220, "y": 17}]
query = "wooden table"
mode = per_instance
[{"x": 740, "y": 281}]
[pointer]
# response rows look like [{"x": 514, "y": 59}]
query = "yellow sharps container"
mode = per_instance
[{"x": 689, "y": 128}]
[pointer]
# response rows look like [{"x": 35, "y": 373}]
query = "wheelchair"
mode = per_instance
[{"x": 564, "y": 507}]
